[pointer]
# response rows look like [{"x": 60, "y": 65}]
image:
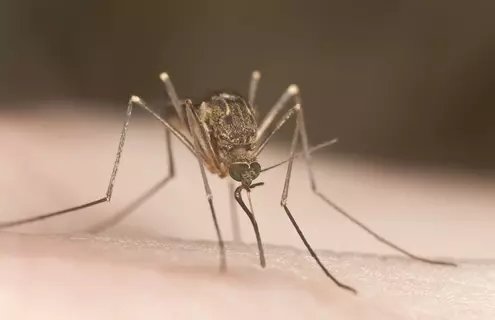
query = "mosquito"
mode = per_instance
[{"x": 226, "y": 139}]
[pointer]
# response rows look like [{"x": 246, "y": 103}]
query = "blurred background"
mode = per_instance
[{"x": 401, "y": 81}]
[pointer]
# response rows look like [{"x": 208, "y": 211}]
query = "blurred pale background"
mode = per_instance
[{"x": 407, "y": 87}]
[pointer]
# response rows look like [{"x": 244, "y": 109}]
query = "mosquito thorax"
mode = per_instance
[{"x": 231, "y": 121}]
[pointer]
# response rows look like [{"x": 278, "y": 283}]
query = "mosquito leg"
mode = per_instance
[
  {"x": 293, "y": 90},
  {"x": 307, "y": 158},
  {"x": 169, "y": 87},
  {"x": 253, "y": 86},
  {"x": 121, "y": 215},
  {"x": 108, "y": 195},
  {"x": 283, "y": 202},
  {"x": 129, "y": 209},
  {"x": 262, "y": 144},
  {"x": 186, "y": 119},
  {"x": 236, "y": 227},
  {"x": 209, "y": 195},
  {"x": 168, "y": 145},
  {"x": 290, "y": 92}
]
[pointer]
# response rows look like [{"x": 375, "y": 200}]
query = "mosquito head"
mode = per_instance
[{"x": 245, "y": 172}]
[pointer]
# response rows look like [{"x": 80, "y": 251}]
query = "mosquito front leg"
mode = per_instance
[
  {"x": 283, "y": 202},
  {"x": 108, "y": 195},
  {"x": 191, "y": 122}
]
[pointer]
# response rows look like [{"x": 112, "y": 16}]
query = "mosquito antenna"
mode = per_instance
[
  {"x": 311, "y": 150},
  {"x": 238, "y": 198}
]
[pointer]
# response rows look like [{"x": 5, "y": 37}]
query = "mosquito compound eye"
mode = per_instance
[
  {"x": 237, "y": 169},
  {"x": 256, "y": 169}
]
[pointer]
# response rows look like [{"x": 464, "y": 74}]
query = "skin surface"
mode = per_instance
[
  {"x": 108, "y": 278},
  {"x": 140, "y": 268}
]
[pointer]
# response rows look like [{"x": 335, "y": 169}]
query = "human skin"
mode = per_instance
[{"x": 161, "y": 261}]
